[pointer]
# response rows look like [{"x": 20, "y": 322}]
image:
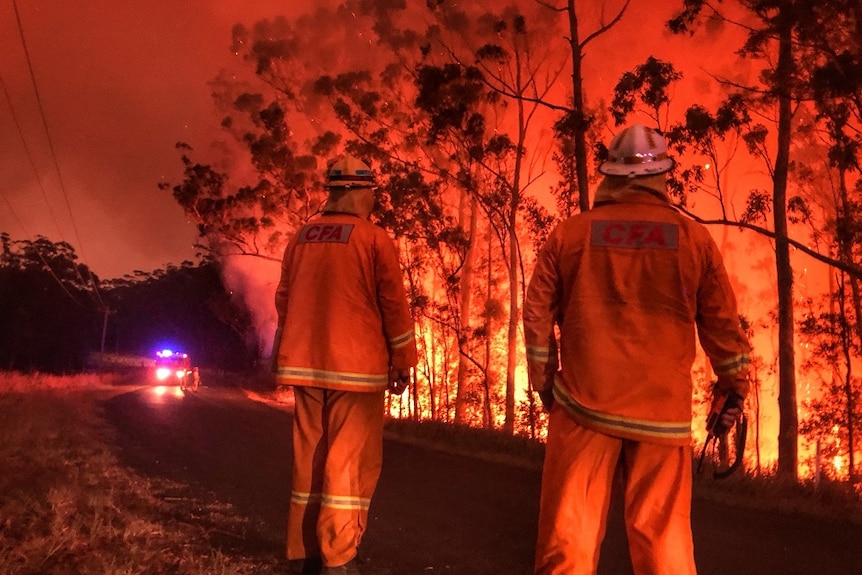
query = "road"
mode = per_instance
[{"x": 433, "y": 512}]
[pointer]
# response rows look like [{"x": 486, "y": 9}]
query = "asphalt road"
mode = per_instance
[{"x": 433, "y": 512}]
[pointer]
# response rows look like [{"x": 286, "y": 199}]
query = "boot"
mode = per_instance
[
  {"x": 307, "y": 566},
  {"x": 349, "y": 568},
  {"x": 352, "y": 567}
]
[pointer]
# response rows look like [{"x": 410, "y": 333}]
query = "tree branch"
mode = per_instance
[
  {"x": 605, "y": 27},
  {"x": 847, "y": 267}
]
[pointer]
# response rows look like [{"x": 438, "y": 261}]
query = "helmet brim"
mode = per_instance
[
  {"x": 344, "y": 188},
  {"x": 350, "y": 186},
  {"x": 637, "y": 170}
]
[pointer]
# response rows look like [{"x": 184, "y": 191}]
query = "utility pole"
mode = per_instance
[{"x": 107, "y": 311}]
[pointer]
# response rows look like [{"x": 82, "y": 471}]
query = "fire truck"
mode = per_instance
[{"x": 174, "y": 368}]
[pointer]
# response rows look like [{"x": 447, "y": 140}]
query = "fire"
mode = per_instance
[{"x": 466, "y": 361}]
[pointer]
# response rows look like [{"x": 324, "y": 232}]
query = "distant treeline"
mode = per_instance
[{"x": 56, "y": 313}]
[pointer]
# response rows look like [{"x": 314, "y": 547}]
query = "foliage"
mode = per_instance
[
  {"x": 648, "y": 84},
  {"x": 49, "y": 305},
  {"x": 834, "y": 417},
  {"x": 183, "y": 306},
  {"x": 57, "y": 314},
  {"x": 591, "y": 124},
  {"x": 807, "y": 52},
  {"x": 441, "y": 134}
]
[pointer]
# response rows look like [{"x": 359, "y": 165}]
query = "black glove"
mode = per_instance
[
  {"x": 547, "y": 398},
  {"x": 722, "y": 402}
]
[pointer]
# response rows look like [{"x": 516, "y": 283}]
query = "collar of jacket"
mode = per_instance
[
  {"x": 617, "y": 188},
  {"x": 338, "y": 213},
  {"x": 352, "y": 201}
]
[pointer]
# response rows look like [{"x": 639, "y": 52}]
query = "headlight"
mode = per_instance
[
  {"x": 163, "y": 373},
  {"x": 181, "y": 373}
]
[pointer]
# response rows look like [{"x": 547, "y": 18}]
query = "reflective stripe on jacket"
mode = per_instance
[
  {"x": 343, "y": 315},
  {"x": 627, "y": 283}
]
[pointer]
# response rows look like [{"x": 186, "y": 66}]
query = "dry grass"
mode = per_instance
[
  {"x": 830, "y": 499},
  {"x": 481, "y": 443},
  {"x": 833, "y": 500},
  {"x": 69, "y": 507}
]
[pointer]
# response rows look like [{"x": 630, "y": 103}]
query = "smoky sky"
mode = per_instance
[{"x": 120, "y": 83}]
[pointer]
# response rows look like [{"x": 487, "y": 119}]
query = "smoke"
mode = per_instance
[{"x": 254, "y": 279}]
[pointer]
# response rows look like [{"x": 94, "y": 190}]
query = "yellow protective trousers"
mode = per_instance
[
  {"x": 577, "y": 481},
  {"x": 337, "y": 457}
]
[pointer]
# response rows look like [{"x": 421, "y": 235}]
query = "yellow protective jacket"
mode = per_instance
[
  {"x": 626, "y": 284},
  {"x": 343, "y": 316}
]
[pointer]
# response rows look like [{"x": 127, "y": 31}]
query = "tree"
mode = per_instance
[
  {"x": 49, "y": 305},
  {"x": 773, "y": 41},
  {"x": 186, "y": 307},
  {"x": 780, "y": 38},
  {"x": 449, "y": 102},
  {"x": 577, "y": 121},
  {"x": 835, "y": 418},
  {"x": 453, "y": 98},
  {"x": 510, "y": 61},
  {"x": 369, "y": 104}
]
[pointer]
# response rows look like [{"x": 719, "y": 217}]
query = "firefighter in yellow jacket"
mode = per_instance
[
  {"x": 629, "y": 285},
  {"x": 345, "y": 336}
]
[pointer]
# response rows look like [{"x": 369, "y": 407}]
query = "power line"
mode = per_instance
[
  {"x": 12, "y": 211},
  {"x": 15, "y": 214},
  {"x": 92, "y": 281},
  {"x": 30, "y": 158}
]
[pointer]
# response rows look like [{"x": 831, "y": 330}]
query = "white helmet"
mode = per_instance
[
  {"x": 637, "y": 151},
  {"x": 349, "y": 172}
]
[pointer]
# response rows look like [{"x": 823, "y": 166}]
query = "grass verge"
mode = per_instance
[{"x": 69, "y": 507}]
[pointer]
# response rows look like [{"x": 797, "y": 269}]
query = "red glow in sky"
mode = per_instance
[{"x": 120, "y": 83}]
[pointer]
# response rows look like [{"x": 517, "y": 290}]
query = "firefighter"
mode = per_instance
[
  {"x": 345, "y": 335},
  {"x": 629, "y": 285}
]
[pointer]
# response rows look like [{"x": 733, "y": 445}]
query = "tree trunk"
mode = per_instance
[
  {"x": 756, "y": 390},
  {"x": 514, "y": 258},
  {"x": 845, "y": 247},
  {"x": 788, "y": 416},
  {"x": 856, "y": 301},
  {"x": 488, "y": 374},
  {"x": 848, "y": 380},
  {"x": 512, "y": 341},
  {"x": 580, "y": 123},
  {"x": 469, "y": 222}
]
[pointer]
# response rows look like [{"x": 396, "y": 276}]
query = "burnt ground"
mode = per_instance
[{"x": 434, "y": 512}]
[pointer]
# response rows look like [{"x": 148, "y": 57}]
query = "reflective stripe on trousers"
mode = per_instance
[
  {"x": 338, "y": 453},
  {"x": 577, "y": 480}
]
